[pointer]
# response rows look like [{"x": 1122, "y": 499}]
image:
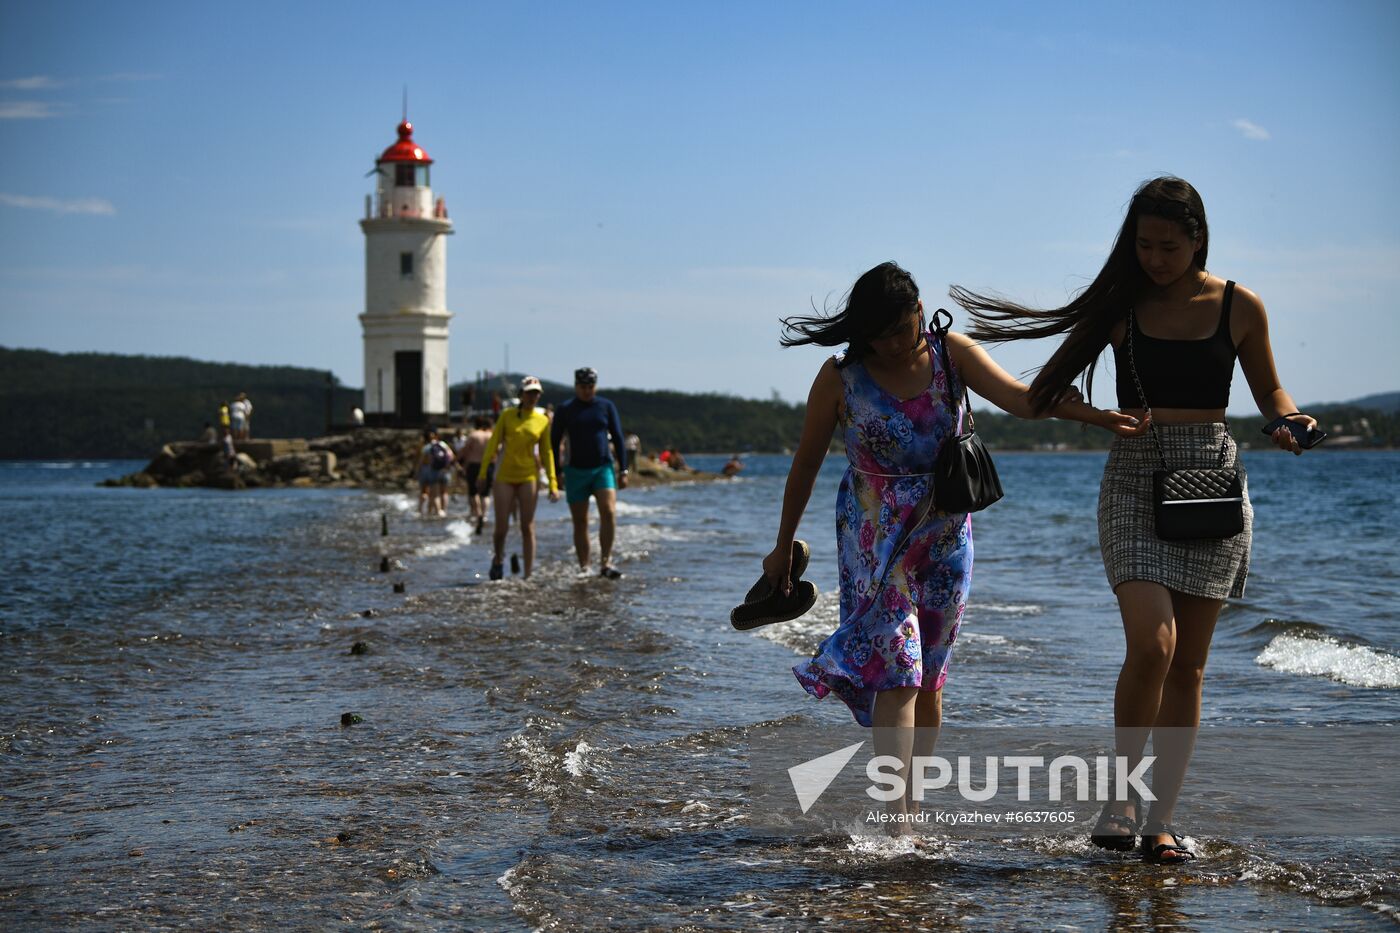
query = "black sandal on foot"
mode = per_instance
[
  {"x": 1165, "y": 853},
  {"x": 1123, "y": 836}
]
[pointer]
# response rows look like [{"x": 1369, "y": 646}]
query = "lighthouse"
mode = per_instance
[{"x": 406, "y": 316}]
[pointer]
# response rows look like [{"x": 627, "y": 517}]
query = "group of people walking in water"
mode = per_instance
[
  {"x": 504, "y": 466},
  {"x": 894, "y": 392}
]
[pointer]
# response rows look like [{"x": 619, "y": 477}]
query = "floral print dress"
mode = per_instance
[{"x": 901, "y": 633}]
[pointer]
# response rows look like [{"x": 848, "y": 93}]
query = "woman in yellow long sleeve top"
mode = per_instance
[{"x": 521, "y": 436}]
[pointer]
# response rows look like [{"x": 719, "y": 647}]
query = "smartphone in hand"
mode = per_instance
[{"x": 1307, "y": 438}]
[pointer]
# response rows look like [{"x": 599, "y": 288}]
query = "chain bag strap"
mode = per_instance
[{"x": 1190, "y": 504}]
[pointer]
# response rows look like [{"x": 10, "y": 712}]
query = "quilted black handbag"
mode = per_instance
[
  {"x": 964, "y": 477},
  {"x": 1191, "y": 504}
]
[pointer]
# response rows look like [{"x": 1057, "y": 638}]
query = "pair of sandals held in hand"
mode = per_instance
[{"x": 765, "y": 604}]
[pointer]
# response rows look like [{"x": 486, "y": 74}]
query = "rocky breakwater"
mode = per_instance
[{"x": 380, "y": 458}]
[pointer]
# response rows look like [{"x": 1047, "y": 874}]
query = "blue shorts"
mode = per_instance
[{"x": 582, "y": 482}]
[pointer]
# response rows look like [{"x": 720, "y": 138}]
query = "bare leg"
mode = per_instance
[
  {"x": 1179, "y": 715},
  {"x": 928, "y": 717},
  {"x": 894, "y": 721},
  {"x": 1149, "y": 625},
  {"x": 526, "y": 497},
  {"x": 607, "y": 522},
  {"x": 505, "y": 507},
  {"x": 578, "y": 511}
]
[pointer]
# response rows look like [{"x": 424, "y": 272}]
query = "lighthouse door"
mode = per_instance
[{"x": 408, "y": 386}]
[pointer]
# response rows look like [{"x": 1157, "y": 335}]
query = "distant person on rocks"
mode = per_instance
[
  {"x": 469, "y": 458},
  {"x": 676, "y": 461},
  {"x": 225, "y": 419},
  {"x": 733, "y": 467},
  {"x": 593, "y": 429},
  {"x": 634, "y": 450},
  {"x": 665, "y": 457},
  {"x": 208, "y": 435},
  {"x": 521, "y": 438},
  {"x": 241, "y": 412},
  {"x": 357, "y": 416},
  {"x": 230, "y": 451}
]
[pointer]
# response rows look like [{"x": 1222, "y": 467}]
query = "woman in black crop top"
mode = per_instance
[{"x": 1182, "y": 329}]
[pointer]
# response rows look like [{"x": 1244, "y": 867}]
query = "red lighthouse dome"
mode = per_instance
[{"x": 405, "y": 150}]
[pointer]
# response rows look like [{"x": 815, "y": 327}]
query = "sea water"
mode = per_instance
[{"x": 571, "y": 752}]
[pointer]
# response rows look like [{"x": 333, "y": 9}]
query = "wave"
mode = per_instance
[
  {"x": 626, "y": 508},
  {"x": 398, "y": 500},
  {"x": 1009, "y": 609},
  {"x": 459, "y": 535},
  {"x": 1271, "y": 628},
  {"x": 1324, "y": 656}
]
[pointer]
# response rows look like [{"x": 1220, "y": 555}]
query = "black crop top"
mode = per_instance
[{"x": 1179, "y": 373}]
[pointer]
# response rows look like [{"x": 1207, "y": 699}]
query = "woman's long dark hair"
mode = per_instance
[
  {"x": 879, "y": 300},
  {"x": 1091, "y": 314}
]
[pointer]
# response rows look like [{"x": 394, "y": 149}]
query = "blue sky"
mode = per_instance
[{"x": 646, "y": 188}]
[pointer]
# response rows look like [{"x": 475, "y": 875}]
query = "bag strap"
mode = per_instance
[{"x": 940, "y": 330}]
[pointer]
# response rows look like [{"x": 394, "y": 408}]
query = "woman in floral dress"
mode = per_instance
[{"x": 905, "y": 570}]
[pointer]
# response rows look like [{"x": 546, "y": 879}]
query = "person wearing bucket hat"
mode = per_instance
[
  {"x": 521, "y": 438},
  {"x": 597, "y": 465}
]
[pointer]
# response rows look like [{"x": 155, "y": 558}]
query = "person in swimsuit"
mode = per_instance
[
  {"x": 1181, "y": 329},
  {"x": 521, "y": 437},
  {"x": 594, "y": 430},
  {"x": 469, "y": 457},
  {"x": 894, "y": 394}
]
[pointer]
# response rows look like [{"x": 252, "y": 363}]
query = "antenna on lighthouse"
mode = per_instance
[{"x": 405, "y": 103}]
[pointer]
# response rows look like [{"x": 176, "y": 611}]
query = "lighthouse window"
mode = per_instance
[
  {"x": 403, "y": 175},
  {"x": 405, "y": 265}
]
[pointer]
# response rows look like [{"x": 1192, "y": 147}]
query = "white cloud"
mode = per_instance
[
  {"x": 1250, "y": 130},
  {"x": 34, "y": 83},
  {"x": 25, "y": 110},
  {"x": 58, "y": 206}
]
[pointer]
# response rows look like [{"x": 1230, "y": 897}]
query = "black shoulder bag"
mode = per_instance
[
  {"x": 1191, "y": 504},
  {"x": 964, "y": 478}
]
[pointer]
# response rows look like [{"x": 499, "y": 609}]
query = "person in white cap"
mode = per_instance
[{"x": 521, "y": 436}]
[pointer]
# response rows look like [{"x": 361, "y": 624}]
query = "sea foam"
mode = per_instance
[{"x": 1357, "y": 665}]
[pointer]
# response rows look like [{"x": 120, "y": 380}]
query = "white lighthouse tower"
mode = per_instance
[{"x": 405, "y": 319}]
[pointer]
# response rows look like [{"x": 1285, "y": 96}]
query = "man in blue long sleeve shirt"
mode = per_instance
[{"x": 592, "y": 425}]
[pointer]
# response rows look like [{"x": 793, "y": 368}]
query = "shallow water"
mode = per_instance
[{"x": 572, "y": 753}]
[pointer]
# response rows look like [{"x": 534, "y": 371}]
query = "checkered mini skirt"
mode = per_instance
[{"x": 1214, "y": 569}]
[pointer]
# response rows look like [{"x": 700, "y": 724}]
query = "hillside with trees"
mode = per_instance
[
  {"x": 62, "y": 405},
  {"x": 59, "y": 405}
]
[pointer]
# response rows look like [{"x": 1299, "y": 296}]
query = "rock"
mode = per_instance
[
  {"x": 351, "y": 719},
  {"x": 400, "y": 588},
  {"x": 295, "y": 466},
  {"x": 383, "y": 565},
  {"x": 359, "y": 647}
]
